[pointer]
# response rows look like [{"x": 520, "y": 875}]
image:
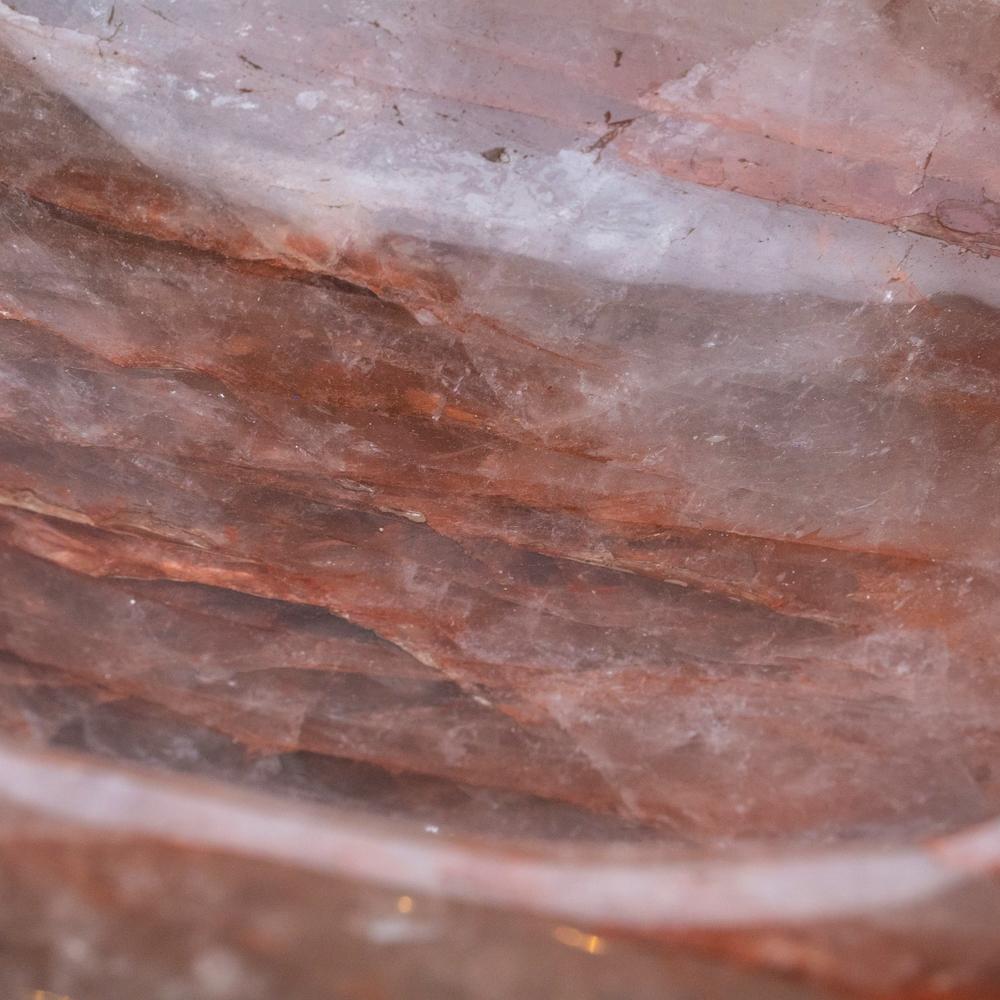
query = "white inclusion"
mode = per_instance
[
  {"x": 226, "y": 101},
  {"x": 309, "y": 100},
  {"x": 399, "y": 930}
]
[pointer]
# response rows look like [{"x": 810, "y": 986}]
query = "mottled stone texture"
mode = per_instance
[{"x": 535, "y": 471}]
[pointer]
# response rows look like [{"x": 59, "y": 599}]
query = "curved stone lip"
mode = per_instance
[{"x": 632, "y": 887}]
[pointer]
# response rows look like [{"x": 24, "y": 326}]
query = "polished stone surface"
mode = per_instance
[{"x": 546, "y": 459}]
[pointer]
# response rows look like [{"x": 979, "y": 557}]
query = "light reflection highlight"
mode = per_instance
[{"x": 573, "y": 938}]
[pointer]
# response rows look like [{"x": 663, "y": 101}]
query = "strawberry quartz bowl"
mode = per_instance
[{"x": 499, "y": 502}]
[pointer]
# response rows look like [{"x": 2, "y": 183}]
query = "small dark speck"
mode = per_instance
[
  {"x": 498, "y": 154},
  {"x": 249, "y": 62},
  {"x": 246, "y": 90},
  {"x": 618, "y": 57}
]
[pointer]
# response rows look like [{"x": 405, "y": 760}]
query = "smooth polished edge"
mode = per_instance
[{"x": 628, "y": 887}]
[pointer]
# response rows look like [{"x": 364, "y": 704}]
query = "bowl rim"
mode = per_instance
[{"x": 624, "y": 885}]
